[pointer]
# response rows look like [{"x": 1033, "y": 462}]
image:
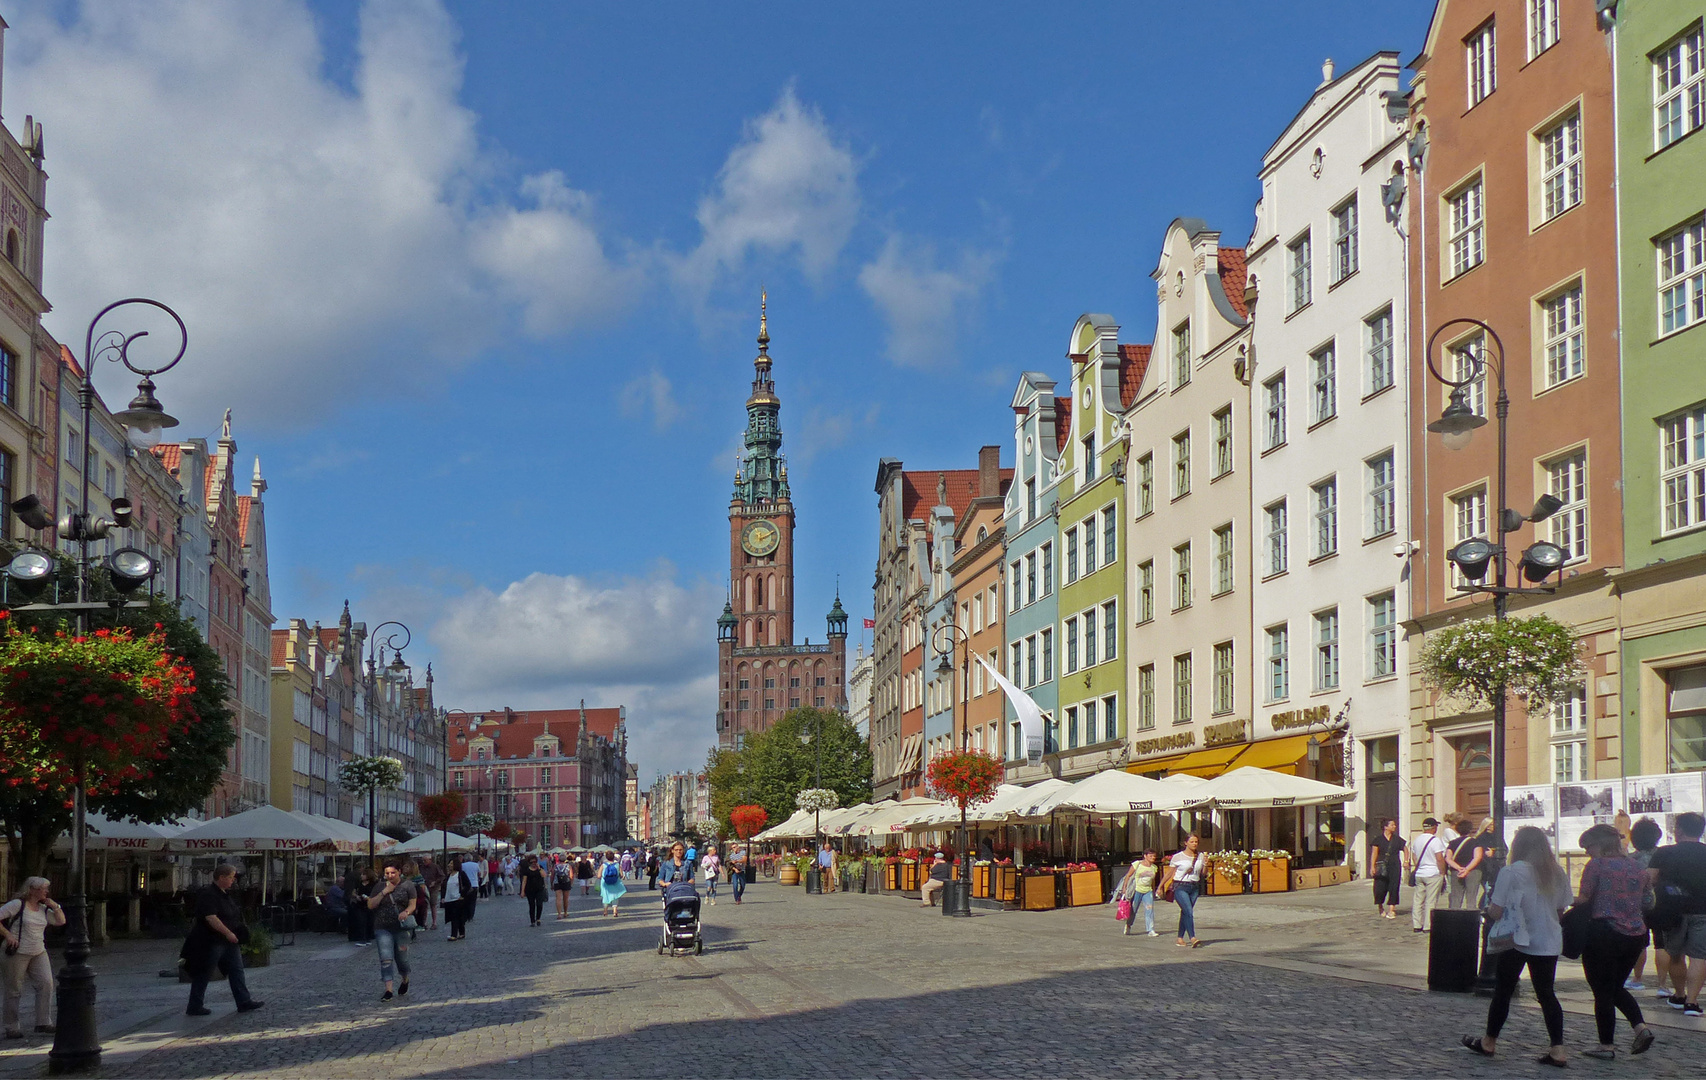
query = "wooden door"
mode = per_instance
[{"x": 1474, "y": 775}]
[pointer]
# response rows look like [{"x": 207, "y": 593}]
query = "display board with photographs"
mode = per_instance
[
  {"x": 1531, "y": 805},
  {"x": 1662, "y": 798},
  {"x": 1584, "y": 805}
]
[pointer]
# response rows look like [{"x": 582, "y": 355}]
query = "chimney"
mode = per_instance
[{"x": 989, "y": 472}]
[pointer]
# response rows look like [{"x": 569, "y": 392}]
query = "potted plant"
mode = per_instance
[
  {"x": 1226, "y": 873},
  {"x": 1270, "y": 871}
]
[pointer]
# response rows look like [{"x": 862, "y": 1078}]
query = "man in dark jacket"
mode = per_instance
[{"x": 215, "y": 941}]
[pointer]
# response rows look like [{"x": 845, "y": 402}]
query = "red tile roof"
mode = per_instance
[
  {"x": 1233, "y": 269},
  {"x": 1134, "y": 361},
  {"x": 514, "y": 732},
  {"x": 1062, "y": 423},
  {"x": 70, "y": 361},
  {"x": 918, "y": 490},
  {"x": 171, "y": 455},
  {"x": 279, "y": 638},
  {"x": 244, "y": 503}
]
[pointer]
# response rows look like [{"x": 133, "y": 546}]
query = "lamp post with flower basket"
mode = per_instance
[
  {"x": 967, "y": 778},
  {"x": 748, "y": 821},
  {"x": 366, "y": 775}
]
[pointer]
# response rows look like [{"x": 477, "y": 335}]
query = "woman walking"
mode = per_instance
[
  {"x": 1613, "y": 884},
  {"x": 611, "y": 890},
  {"x": 676, "y": 867},
  {"x": 23, "y": 924},
  {"x": 1185, "y": 871},
  {"x": 1137, "y": 889},
  {"x": 533, "y": 887},
  {"x": 583, "y": 870},
  {"x": 1527, "y": 899},
  {"x": 562, "y": 883},
  {"x": 739, "y": 860},
  {"x": 393, "y": 908},
  {"x": 458, "y": 897},
  {"x": 1463, "y": 863},
  {"x": 712, "y": 866},
  {"x": 359, "y": 885},
  {"x": 1644, "y": 838}
]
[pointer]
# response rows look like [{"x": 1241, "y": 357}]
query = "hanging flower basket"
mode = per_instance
[
  {"x": 748, "y": 821},
  {"x": 817, "y": 800},
  {"x": 965, "y": 778},
  {"x": 477, "y": 823},
  {"x": 366, "y": 774},
  {"x": 1538, "y": 658}
]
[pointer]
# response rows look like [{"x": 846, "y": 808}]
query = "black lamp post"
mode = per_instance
[
  {"x": 817, "y": 778},
  {"x": 953, "y": 633},
  {"x": 76, "y": 1041},
  {"x": 444, "y": 785},
  {"x": 394, "y": 671},
  {"x": 1472, "y": 556}
]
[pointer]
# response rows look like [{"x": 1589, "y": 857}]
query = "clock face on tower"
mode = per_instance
[{"x": 759, "y": 538}]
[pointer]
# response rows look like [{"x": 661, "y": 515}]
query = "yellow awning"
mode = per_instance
[
  {"x": 1152, "y": 765},
  {"x": 1277, "y": 755},
  {"x": 1201, "y": 763}
]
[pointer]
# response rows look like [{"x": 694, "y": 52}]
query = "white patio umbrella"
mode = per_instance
[
  {"x": 1114, "y": 791},
  {"x": 1251, "y": 788},
  {"x": 783, "y": 830},
  {"x": 433, "y": 840},
  {"x": 258, "y": 831},
  {"x": 1011, "y": 797},
  {"x": 349, "y": 832},
  {"x": 107, "y": 834},
  {"x": 889, "y": 818}
]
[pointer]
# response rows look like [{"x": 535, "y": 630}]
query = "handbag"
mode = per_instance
[
  {"x": 1501, "y": 936},
  {"x": 11, "y": 926},
  {"x": 1164, "y": 891},
  {"x": 1122, "y": 910},
  {"x": 1575, "y": 923}
]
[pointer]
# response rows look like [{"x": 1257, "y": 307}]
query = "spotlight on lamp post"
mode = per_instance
[{"x": 29, "y": 572}]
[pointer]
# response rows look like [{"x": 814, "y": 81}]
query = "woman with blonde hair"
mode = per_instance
[
  {"x": 23, "y": 924},
  {"x": 1527, "y": 899},
  {"x": 1463, "y": 861}
]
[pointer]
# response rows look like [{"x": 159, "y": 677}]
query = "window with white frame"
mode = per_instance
[
  {"x": 1567, "y": 478},
  {"x": 1031, "y": 660},
  {"x": 1182, "y": 688},
  {"x": 1466, "y": 238},
  {"x": 1071, "y": 657},
  {"x": 1146, "y": 591},
  {"x": 1182, "y": 576},
  {"x": 1223, "y": 559},
  {"x": 1382, "y": 494},
  {"x": 1047, "y": 577},
  {"x": 1275, "y": 393},
  {"x": 1279, "y": 555},
  {"x": 1014, "y": 596},
  {"x": 1481, "y": 56},
  {"x": 1031, "y": 578},
  {"x": 1327, "y": 649},
  {"x": 1682, "y": 277},
  {"x": 1377, "y": 338},
  {"x": 1679, "y": 88},
  {"x": 1324, "y": 380},
  {"x": 1383, "y": 635},
  {"x": 1326, "y": 517},
  {"x": 1569, "y": 737},
  {"x": 1088, "y": 530},
  {"x": 1110, "y": 535},
  {"x": 1071, "y": 556},
  {"x": 1682, "y": 470},
  {"x": 1542, "y": 26},
  {"x": 1223, "y": 442},
  {"x": 1345, "y": 240},
  {"x": 1469, "y": 515},
  {"x": 1181, "y": 464},
  {"x": 1089, "y": 710},
  {"x": 1560, "y": 166},
  {"x": 1467, "y": 366},
  {"x": 1299, "y": 263},
  {"x": 1279, "y": 662},
  {"x": 1146, "y": 696},
  {"x": 1089, "y": 449},
  {"x": 1182, "y": 354},
  {"x": 1089, "y": 621},
  {"x": 1110, "y": 630},
  {"x": 1145, "y": 485},
  {"x": 1561, "y": 328},
  {"x": 1225, "y": 680}
]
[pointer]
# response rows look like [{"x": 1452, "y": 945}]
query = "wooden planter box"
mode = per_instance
[
  {"x": 1038, "y": 890},
  {"x": 1005, "y": 887},
  {"x": 891, "y": 877},
  {"x": 1319, "y": 876},
  {"x": 1216, "y": 884},
  {"x": 980, "y": 877},
  {"x": 1084, "y": 887},
  {"x": 908, "y": 877},
  {"x": 1270, "y": 875}
]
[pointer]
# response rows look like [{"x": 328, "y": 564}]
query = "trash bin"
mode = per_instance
[
  {"x": 814, "y": 881},
  {"x": 1454, "y": 951},
  {"x": 956, "y": 898}
]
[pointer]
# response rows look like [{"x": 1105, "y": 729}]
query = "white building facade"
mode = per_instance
[{"x": 1329, "y": 377}]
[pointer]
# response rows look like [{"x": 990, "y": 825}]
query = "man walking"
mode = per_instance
[
  {"x": 1426, "y": 859},
  {"x": 826, "y": 867},
  {"x": 215, "y": 942},
  {"x": 1677, "y": 874}
]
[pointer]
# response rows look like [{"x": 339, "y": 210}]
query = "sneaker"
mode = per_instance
[
  {"x": 251, "y": 1006},
  {"x": 1126, "y": 931},
  {"x": 386, "y": 996},
  {"x": 1676, "y": 1001},
  {"x": 198, "y": 1012},
  {"x": 1151, "y": 933},
  {"x": 1661, "y": 991},
  {"x": 403, "y": 988},
  {"x": 1632, "y": 984},
  {"x": 1693, "y": 1009}
]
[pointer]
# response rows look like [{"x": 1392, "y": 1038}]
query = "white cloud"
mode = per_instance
[
  {"x": 548, "y": 640},
  {"x": 651, "y": 392},
  {"x": 788, "y": 186},
  {"x": 317, "y": 240},
  {"x": 924, "y": 304}
]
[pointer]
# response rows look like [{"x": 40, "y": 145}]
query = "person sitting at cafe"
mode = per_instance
[{"x": 940, "y": 872}]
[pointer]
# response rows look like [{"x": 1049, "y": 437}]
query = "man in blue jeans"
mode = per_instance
[
  {"x": 737, "y": 874},
  {"x": 215, "y": 943}
]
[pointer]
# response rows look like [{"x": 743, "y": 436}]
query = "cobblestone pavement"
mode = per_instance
[{"x": 794, "y": 985}]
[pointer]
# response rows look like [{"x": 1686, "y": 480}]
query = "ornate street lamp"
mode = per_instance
[
  {"x": 394, "y": 670},
  {"x": 944, "y": 638}
]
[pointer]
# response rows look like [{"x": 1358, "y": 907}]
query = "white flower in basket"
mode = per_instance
[
  {"x": 370, "y": 773},
  {"x": 816, "y": 800},
  {"x": 478, "y": 822}
]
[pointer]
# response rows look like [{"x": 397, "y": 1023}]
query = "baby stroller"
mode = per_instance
[{"x": 680, "y": 920}]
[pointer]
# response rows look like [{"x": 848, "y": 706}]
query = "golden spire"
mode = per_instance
[{"x": 763, "y": 317}]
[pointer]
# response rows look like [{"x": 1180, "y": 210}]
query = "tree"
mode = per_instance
[
  {"x": 180, "y": 781},
  {"x": 442, "y": 811},
  {"x": 776, "y": 765},
  {"x": 500, "y": 830}
]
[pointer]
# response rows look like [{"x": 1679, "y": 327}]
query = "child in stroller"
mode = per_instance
[{"x": 680, "y": 920}]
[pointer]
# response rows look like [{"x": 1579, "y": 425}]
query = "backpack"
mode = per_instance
[{"x": 612, "y": 873}]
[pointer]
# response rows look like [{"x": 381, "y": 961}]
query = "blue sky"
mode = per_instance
[{"x": 480, "y": 282}]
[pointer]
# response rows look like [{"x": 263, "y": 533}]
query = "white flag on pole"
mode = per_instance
[{"x": 1030, "y": 714}]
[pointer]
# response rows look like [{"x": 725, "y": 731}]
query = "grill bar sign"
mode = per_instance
[{"x": 1301, "y": 718}]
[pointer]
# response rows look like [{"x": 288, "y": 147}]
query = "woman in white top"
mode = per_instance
[
  {"x": 23, "y": 925},
  {"x": 1185, "y": 871},
  {"x": 1528, "y": 898}
]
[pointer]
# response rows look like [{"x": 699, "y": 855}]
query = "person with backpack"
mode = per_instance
[
  {"x": 1527, "y": 899},
  {"x": 1677, "y": 875},
  {"x": 562, "y": 884},
  {"x": 610, "y": 887},
  {"x": 652, "y": 867},
  {"x": 712, "y": 866}
]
